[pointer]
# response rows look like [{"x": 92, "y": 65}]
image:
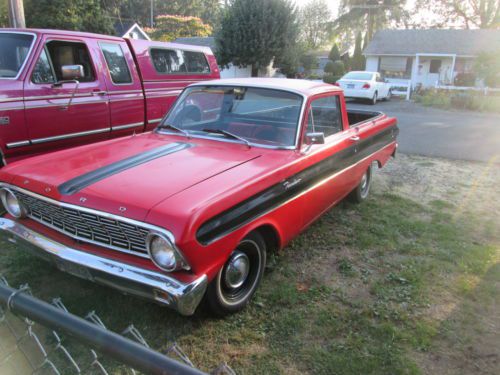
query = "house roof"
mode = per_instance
[
  {"x": 411, "y": 42},
  {"x": 208, "y": 41},
  {"x": 123, "y": 27}
]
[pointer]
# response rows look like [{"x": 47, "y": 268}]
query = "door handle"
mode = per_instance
[
  {"x": 354, "y": 138},
  {"x": 99, "y": 93}
]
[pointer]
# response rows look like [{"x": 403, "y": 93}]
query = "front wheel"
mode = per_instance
[
  {"x": 238, "y": 279},
  {"x": 360, "y": 193}
]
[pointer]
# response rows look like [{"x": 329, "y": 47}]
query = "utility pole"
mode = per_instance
[
  {"x": 151, "y": 19},
  {"x": 16, "y": 14}
]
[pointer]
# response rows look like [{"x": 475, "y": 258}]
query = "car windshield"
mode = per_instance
[
  {"x": 362, "y": 76},
  {"x": 14, "y": 50},
  {"x": 246, "y": 114}
]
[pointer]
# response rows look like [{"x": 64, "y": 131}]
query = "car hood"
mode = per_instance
[{"x": 130, "y": 175}]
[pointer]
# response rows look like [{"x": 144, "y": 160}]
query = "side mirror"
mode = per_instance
[
  {"x": 315, "y": 138},
  {"x": 71, "y": 72}
]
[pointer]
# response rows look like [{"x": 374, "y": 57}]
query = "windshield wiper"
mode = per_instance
[
  {"x": 228, "y": 135},
  {"x": 173, "y": 127}
]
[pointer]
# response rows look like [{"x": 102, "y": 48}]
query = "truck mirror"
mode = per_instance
[
  {"x": 317, "y": 138},
  {"x": 71, "y": 72}
]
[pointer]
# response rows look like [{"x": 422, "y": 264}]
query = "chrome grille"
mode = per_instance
[{"x": 87, "y": 227}]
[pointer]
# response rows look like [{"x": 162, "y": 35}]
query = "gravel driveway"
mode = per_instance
[{"x": 455, "y": 134}]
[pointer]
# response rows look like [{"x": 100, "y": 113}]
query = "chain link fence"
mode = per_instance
[{"x": 41, "y": 338}]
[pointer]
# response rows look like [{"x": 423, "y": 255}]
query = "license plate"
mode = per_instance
[
  {"x": 74, "y": 269},
  {"x": 350, "y": 86}
]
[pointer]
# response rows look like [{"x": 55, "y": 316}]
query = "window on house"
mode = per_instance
[
  {"x": 117, "y": 65},
  {"x": 325, "y": 116},
  {"x": 435, "y": 66},
  {"x": 395, "y": 67}
]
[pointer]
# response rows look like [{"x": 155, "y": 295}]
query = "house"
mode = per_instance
[
  {"x": 231, "y": 71},
  {"x": 132, "y": 30},
  {"x": 428, "y": 57}
]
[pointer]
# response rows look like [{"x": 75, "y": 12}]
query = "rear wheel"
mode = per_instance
[
  {"x": 373, "y": 100},
  {"x": 389, "y": 95},
  {"x": 238, "y": 279},
  {"x": 360, "y": 193}
]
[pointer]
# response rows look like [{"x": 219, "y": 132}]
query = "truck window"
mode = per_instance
[
  {"x": 325, "y": 116},
  {"x": 14, "y": 49},
  {"x": 43, "y": 71},
  {"x": 168, "y": 61},
  {"x": 117, "y": 65},
  {"x": 70, "y": 53}
]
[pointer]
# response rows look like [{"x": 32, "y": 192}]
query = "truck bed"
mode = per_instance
[{"x": 357, "y": 116}]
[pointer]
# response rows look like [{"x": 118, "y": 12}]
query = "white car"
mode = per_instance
[{"x": 365, "y": 85}]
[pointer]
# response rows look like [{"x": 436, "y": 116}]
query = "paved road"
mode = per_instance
[{"x": 449, "y": 134}]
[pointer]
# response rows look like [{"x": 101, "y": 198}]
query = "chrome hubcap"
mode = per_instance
[
  {"x": 237, "y": 270},
  {"x": 364, "y": 182}
]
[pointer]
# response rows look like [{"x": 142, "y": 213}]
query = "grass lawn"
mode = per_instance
[{"x": 406, "y": 283}]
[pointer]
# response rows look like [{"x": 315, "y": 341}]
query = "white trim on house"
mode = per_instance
[{"x": 139, "y": 29}]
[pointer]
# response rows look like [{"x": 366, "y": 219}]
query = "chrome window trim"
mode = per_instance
[
  {"x": 108, "y": 215},
  {"x": 28, "y": 55},
  {"x": 155, "y": 120}
]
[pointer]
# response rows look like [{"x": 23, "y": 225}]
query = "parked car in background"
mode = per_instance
[
  {"x": 365, "y": 85},
  {"x": 61, "y": 88},
  {"x": 236, "y": 169}
]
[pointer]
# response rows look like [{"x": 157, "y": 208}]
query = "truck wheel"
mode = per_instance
[
  {"x": 236, "y": 282},
  {"x": 360, "y": 193},
  {"x": 389, "y": 95},
  {"x": 373, "y": 101}
]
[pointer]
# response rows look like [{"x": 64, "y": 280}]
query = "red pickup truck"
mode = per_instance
[
  {"x": 60, "y": 88},
  {"x": 236, "y": 170}
]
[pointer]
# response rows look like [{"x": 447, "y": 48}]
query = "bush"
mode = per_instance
[
  {"x": 335, "y": 67},
  {"x": 331, "y": 78},
  {"x": 465, "y": 79},
  {"x": 472, "y": 101}
]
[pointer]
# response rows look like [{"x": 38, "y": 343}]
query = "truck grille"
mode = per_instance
[{"x": 87, "y": 227}]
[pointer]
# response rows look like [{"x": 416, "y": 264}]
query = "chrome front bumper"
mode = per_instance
[{"x": 154, "y": 286}]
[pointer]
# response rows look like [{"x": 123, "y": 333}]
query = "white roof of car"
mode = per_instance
[{"x": 300, "y": 86}]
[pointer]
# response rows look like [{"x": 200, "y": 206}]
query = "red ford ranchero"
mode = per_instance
[{"x": 235, "y": 170}]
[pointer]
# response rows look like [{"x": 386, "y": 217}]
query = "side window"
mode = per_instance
[
  {"x": 196, "y": 62},
  {"x": 168, "y": 61},
  {"x": 117, "y": 65},
  {"x": 325, "y": 116},
  {"x": 435, "y": 66},
  {"x": 43, "y": 71},
  {"x": 70, "y": 53}
]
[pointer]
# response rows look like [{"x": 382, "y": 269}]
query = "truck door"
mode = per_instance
[
  {"x": 126, "y": 97},
  {"x": 60, "y": 113}
]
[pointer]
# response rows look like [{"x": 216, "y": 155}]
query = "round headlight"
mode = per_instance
[
  {"x": 162, "y": 252},
  {"x": 12, "y": 204}
]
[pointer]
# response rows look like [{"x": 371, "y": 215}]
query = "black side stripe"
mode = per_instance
[
  {"x": 78, "y": 183},
  {"x": 272, "y": 197}
]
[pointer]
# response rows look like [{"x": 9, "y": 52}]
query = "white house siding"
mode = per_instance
[
  {"x": 372, "y": 64},
  {"x": 235, "y": 72}
]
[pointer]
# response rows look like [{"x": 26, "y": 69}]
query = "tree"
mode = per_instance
[
  {"x": 316, "y": 23},
  {"x": 81, "y": 15},
  {"x": 370, "y": 15},
  {"x": 335, "y": 67},
  {"x": 487, "y": 68},
  {"x": 358, "y": 60},
  {"x": 168, "y": 28},
  {"x": 4, "y": 14},
  {"x": 309, "y": 62},
  {"x": 334, "y": 54},
  {"x": 468, "y": 14},
  {"x": 254, "y": 32}
]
